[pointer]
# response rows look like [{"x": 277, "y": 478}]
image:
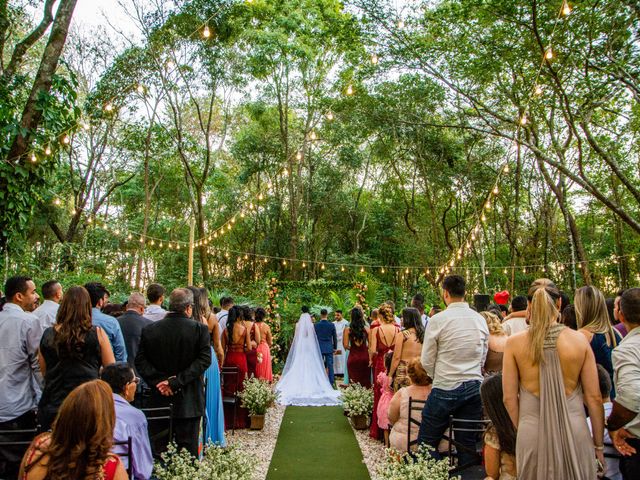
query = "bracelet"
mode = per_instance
[{"x": 601, "y": 447}]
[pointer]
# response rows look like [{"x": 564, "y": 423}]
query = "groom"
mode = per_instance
[{"x": 328, "y": 341}]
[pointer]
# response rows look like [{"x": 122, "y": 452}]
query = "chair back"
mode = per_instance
[
  {"x": 465, "y": 425},
  {"x": 231, "y": 372},
  {"x": 414, "y": 405},
  {"x": 128, "y": 454},
  {"x": 158, "y": 415}
]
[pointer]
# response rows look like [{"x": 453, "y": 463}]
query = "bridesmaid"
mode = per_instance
[
  {"x": 407, "y": 346},
  {"x": 254, "y": 337},
  {"x": 381, "y": 342},
  {"x": 214, "y": 413},
  {"x": 235, "y": 342},
  {"x": 263, "y": 368},
  {"x": 354, "y": 341}
]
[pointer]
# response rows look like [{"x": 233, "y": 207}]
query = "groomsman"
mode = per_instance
[{"x": 339, "y": 359}]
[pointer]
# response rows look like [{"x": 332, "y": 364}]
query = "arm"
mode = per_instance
[
  {"x": 199, "y": 364},
  {"x": 42, "y": 363},
  {"x": 345, "y": 338},
  {"x": 121, "y": 473},
  {"x": 119, "y": 350},
  {"x": 430, "y": 348},
  {"x": 397, "y": 353},
  {"x": 394, "y": 408},
  {"x": 592, "y": 397},
  {"x": 334, "y": 336},
  {"x": 247, "y": 339},
  {"x": 492, "y": 462},
  {"x": 269, "y": 338},
  {"x": 627, "y": 403},
  {"x": 258, "y": 334},
  {"x": 33, "y": 336},
  {"x": 373, "y": 345},
  {"x": 510, "y": 383},
  {"x": 142, "y": 458},
  {"x": 225, "y": 339},
  {"x": 215, "y": 339},
  {"x": 106, "y": 353},
  {"x": 150, "y": 374}
]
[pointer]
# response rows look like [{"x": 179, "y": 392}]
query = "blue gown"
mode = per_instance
[{"x": 214, "y": 429}]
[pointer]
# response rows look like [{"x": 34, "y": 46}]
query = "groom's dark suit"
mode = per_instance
[{"x": 328, "y": 341}]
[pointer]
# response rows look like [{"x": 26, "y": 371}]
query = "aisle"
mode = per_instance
[{"x": 316, "y": 443}]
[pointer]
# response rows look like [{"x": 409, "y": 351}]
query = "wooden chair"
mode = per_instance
[
  {"x": 233, "y": 399},
  {"x": 128, "y": 454},
  {"x": 157, "y": 415},
  {"x": 464, "y": 425},
  {"x": 414, "y": 405}
]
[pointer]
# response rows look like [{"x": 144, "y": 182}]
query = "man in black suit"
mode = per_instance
[
  {"x": 173, "y": 356},
  {"x": 328, "y": 342}
]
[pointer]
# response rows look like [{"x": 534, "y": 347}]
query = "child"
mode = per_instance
[{"x": 385, "y": 399}]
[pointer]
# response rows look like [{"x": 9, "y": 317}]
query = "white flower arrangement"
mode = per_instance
[
  {"x": 258, "y": 395},
  {"x": 357, "y": 400},
  {"x": 419, "y": 466},
  {"x": 228, "y": 463}
]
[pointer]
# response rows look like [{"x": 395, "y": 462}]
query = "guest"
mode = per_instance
[
  {"x": 540, "y": 366},
  {"x": 624, "y": 422},
  {"x": 52, "y": 294},
  {"x": 155, "y": 295},
  {"x": 374, "y": 322},
  {"x": 355, "y": 342},
  {"x": 434, "y": 311},
  {"x": 339, "y": 359},
  {"x": 406, "y": 346},
  {"x": 384, "y": 383},
  {"x": 254, "y": 337},
  {"x": 20, "y": 377},
  {"x": 80, "y": 443},
  {"x": 328, "y": 342},
  {"x": 500, "y": 438},
  {"x": 214, "y": 412},
  {"x": 497, "y": 344},
  {"x": 235, "y": 341},
  {"x": 264, "y": 367},
  {"x": 130, "y": 422},
  {"x": 225, "y": 303},
  {"x": 613, "y": 465},
  {"x": 419, "y": 390},
  {"x": 381, "y": 343},
  {"x": 569, "y": 318},
  {"x": 396, "y": 318},
  {"x": 114, "y": 309},
  {"x": 71, "y": 353},
  {"x": 593, "y": 323},
  {"x": 619, "y": 325},
  {"x": 99, "y": 297},
  {"x": 131, "y": 324},
  {"x": 565, "y": 301},
  {"x": 173, "y": 356},
  {"x": 516, "y": 321},
  {"x": 417, "y": 302},
  {"x": 454, "y": 350}
]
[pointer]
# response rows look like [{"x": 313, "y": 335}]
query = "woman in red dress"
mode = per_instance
[
  {"x": 254, "y": 338},
  {"x": 381, "y": 342},
  {"x": 263, "y": 368},
  {"x": 355, "y": 340},
  {"x": 235, "y": 342}
]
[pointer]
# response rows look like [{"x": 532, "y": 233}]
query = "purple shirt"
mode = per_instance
[
  {"x": 131, "y": 422},
  {"x": 621, "y": 329}
]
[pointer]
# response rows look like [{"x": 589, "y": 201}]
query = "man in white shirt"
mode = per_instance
[
  {"x": 516, "y": 322},
  {"x": 155, "y": 295},
  {"x": 225, "y": 304},
  {"x": 624, "y": 422},
  {"x": 52, "y": 294},
  {"x": 454, "y": 349}
]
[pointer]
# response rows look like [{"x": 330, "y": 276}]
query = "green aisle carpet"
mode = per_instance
[{"x": 316, "y": 443}]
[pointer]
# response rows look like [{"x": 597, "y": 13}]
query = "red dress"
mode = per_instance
[
  {"x": 358, "y": 364},
  {"x": 235, "y": 357},
  {"x": 378, "y": 367}
]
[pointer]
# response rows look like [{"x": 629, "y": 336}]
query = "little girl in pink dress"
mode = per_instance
[{"x": 384, "y": 381}]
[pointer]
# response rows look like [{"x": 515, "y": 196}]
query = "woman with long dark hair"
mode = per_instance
[
  {"x": 71, "y": 353},
  {"x": 235, "y": 343},
  {"x": 263, "y": 367},
  {"x": 500, "y": 438},
  {"x": 254, "y": 339},
  {"x": 406, "y": 346},
  {"x": 355, "y": 341},
  {"x": 79, "y": 445}
]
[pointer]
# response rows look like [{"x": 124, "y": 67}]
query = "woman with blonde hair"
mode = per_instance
[
  {"x": 497, "y": 344},
  {"x": 549, "y": 374},
  {"x": 592, "y": 319},
  {"x": 79, "y": 445}
]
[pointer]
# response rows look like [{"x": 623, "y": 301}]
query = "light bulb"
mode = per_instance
[
  {"x": 400, "y": 24},
  {"x": 486, "y": 272},
  {"x": 322, "y": 267},
  {"x": 505, "y": 271},
  {"x": 141, "y": 240},
  {"x": 349, "y": 90},
  {"x": 313, "y": 135},
  {"x": 284, "y": 262},
  {"x": 85, "y": 125},
  {"x": 406, "y": 270},
  {"x": 374, "y": 59},
  {"x": 129, "y": 237},
  {"x": 108, "y": 107},
  {"x": 34, "y": 159},
  {"x": 495, "y": 190},
  {"x": 260, "y": 197},
  {"x": 140, "y": 89},
  {"x": 206, "y": 33},
  {"x": 342, "y": 268},
  {"x": 47, "y": 151},
  {"x": 152, "y": 242},
  {"x": 299, "y": 156},
  {"x": 241, "y": 214},
  {"x": 382, "y": 270},
  {"x": 538, "y": 90},
  {"x": 523, "y": 119},
  {"x": 361, "y": 269},
  {"x": 304, "y": 265},
  {"x": 330, "y": 115},
  {"x": 428, "y": 271},
  {"x": 549, "y": 53},
  {"x": 566, "y": 8},
  {"x": 66, "y": 140},
  {"x": 484, "y": 217},
  {"x": 56, "y": 201},
  {"x": 266, "y": 260},
  {"x": 506, "y": 168}
]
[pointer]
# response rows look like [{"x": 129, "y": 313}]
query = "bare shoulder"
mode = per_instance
[
  {"x": 575, "y": 338},
  {"x": 517, "y": 339}
]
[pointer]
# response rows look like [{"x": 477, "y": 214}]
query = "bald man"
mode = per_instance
[{"x": 132, "y": 322}]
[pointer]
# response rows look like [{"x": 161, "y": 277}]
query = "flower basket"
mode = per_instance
[
  {"x": 357, "y": 401},
  {"x": 258, "y": 395},
  {"x": 359, "y": 422},
  {"x": 257, "y": 422}
]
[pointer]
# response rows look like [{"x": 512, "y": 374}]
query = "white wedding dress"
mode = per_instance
[{"x": 304, "y": 381}]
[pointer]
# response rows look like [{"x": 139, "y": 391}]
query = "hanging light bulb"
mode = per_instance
[
  {"x": 406, "y": 270},
  {"x": 538, "y": 90},
  {"x": 56, "y": 201},
  {"x": 400, "y": 24},
  {"x": 361, "y": 269},
  {"x": 266, "y": 260},
  {"x": 506, "y": 168},
  {"x": 505, "y": 271},
  {"x": 342, "y": 268},
  {"x": 313, "y": 135},
  {"x": 129, "y": 237},
  {"x": 322, "y": 267},
  {"x": 47, "y": 151},
  {"x": 548, "y": 53},
  {"x": 152, "y": 242},
  {"x": 34, "y": 159},
  {"x": 428, "y": 271},
  {"x": 523, "y": 119},
  {"x": 206, "y": 33},
  {"x": 382, "y": 270},
  {"x": 330, "y": 115},
  {"x": 66, "y": 140},
  {"x": 108, "y": 107},
  {"x": 566, "y": 8},
  {"x": 484, "y": 217},
  {"x": 140, "y": 89},
  {"x": 486, "y": 272},
  {"x": 85, "y": 125},
  {"x": 284, "y": 262},
  {"x": 487, "y": 205},
  {"x": 304, "y": 265},
  {"x": 299, "y": 155},
  {"x": 495, "y": 190},
  {"x": 349, "y": 90},
  {"x": 374, "y": 59},
  {"x": 261, "y": 197}
]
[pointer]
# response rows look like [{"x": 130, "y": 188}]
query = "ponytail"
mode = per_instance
[{"x": 542, "y": 314}]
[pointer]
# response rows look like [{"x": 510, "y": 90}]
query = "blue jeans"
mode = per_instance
[
  {"x": 328, "y": 363},
  {"x": 461, "y": 402}
]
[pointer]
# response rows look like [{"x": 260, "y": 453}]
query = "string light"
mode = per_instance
[
  {"x": 342, "y": 268},
  {"x": 374, "y": 59},
  {"x": 108, "y": 107},
  {"x": 495, "y": 190},
  {"x": 299, "y": 155},
  {"x": 47, "y": 151},
  {"x": 538, "y": 90},
  {"x": 56, "y": 201},
  {"x": 400, "y": 24},
  {"x": 66, "y": 140},
  {"x": 330, "y": 116},
  {"x": 140, "y": 89},
  {"x": 349, "y": 90},
  {"x": 206, "y": 33},
  {"x": 523, "y": 119},
  {"x": 549, "y": 53},
  {"x": 313, "y": 135},
  {"x": 322, "y": 267},
  {"x": 506, "y": 168},
  {"x": 382, "y": 270},
  {"x": 34, "y": 159},
  {"x": 566, "y": 8}
]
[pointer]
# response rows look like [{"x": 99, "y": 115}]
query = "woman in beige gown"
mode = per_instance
[{"x": 549, "y": 373}]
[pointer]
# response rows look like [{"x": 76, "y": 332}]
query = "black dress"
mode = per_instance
[{"x": 64, "y": 373}]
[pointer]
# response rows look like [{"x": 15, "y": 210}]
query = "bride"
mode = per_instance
[{"x": 304, "y": 379}]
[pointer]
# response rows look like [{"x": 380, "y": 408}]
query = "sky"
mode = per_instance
[{"x": 91, "y": 13}]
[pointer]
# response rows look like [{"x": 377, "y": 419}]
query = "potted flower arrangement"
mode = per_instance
[
  {"x": 217, "y": 462},
  {"x": 258, "y": 395},
  {"x": 416, "y": 466},
  {"x": 357, "y": 402}
]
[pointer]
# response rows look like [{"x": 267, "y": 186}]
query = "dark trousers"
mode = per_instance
[
  {"x": 10, "y": 457},
  {"x": 630, "y": 466},
  {"x": 462, "y": 402},
  {"x": 328, "y": 363},
  {"x": 186, "y": 433}
]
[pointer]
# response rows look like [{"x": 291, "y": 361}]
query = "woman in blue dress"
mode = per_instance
[{"x": 213, "y": 428}]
